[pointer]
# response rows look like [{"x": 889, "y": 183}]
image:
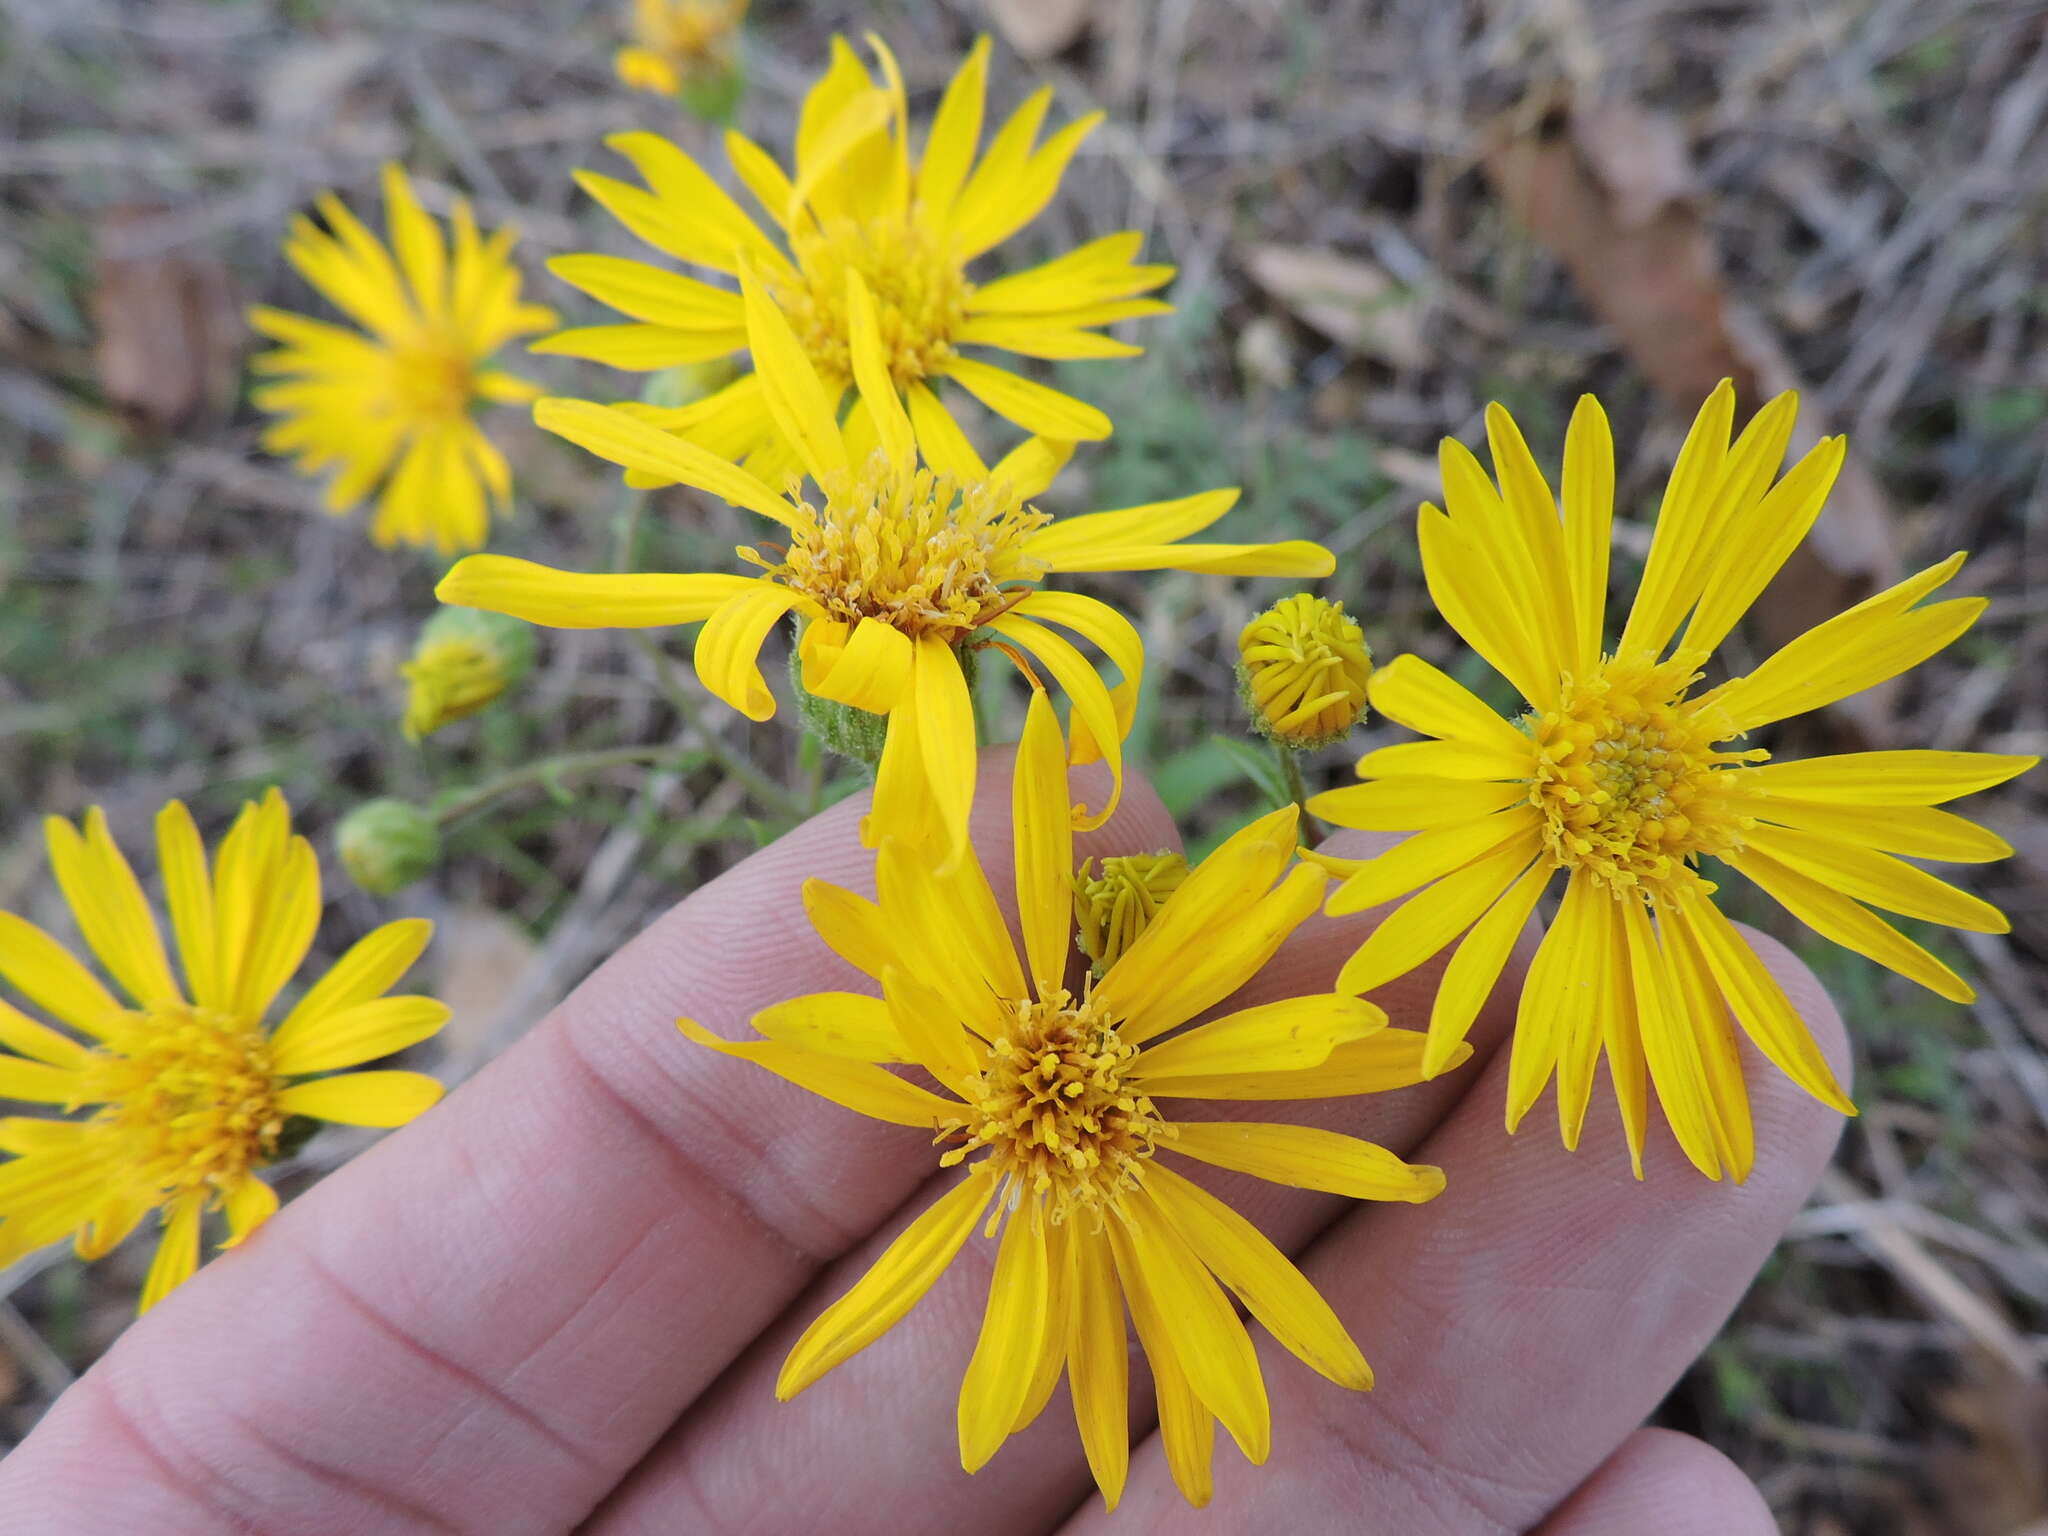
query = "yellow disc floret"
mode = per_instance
[
  {"x": 921, "y": 552},
  {"x": 1052, "y": 1104},
  {"x": 190, "y": 1095},
  {"x": 919, "y": 288},
  {"x": 1304, "y": 665},
  {"x": 1631, "y": 785}
]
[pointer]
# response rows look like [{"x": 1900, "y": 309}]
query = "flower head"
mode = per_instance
[
  {"x": 1059, "y": 1110},
  {"x": 1112, "y": 908},
  {"x": 679, "y": 45},
  {"x": 856, "y": 204},
  {"x": 391, "y": 404},
  {"x": 1626, "y": 777},
  {"x": 464, "y": 660},
  {"x": 176, "y": 1096},
  {"x": 1303, "y": 664},
  {"x": 899, "y": 555}
]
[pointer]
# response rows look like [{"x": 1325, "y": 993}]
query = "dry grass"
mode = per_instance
[{"x": 176, "y": 619}]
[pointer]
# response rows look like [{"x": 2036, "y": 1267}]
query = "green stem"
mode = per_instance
[
  {"x": 1297, "y": 791},
  {"x": 478, "y": 796}
]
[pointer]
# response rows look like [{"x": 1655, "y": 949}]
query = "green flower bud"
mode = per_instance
[
  {"x": 1111, "y": 909},
  {"x": 464, "y": 659},
  {"x": 385, "y": 845}
]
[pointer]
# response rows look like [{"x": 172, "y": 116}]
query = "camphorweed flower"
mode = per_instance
[
  {"x": 894, "y": 562},
  {"x": 390, "y": 404},
  {"x": 1113, "y": 907},
  {"x": 1302, "y": 666},
  {"x": 855, "y": 203},
  {"x": 1056, "y": 1108},
  {"x": 1622, "y": 777},
  {"x": 175, "y": 1097},
  {"x": 681, "y": 45}
]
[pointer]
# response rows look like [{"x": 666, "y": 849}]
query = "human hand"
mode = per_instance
[{"x": 563, "y": 1296}]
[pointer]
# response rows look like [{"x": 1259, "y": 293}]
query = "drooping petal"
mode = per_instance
[
  {"x": 1476, "y": 965},
  {"x": 1850, "y": 924},
  {"x": 1000, "y": 1372},
  {"x": 177, "y": 1252},
  {"x": 1307, "y": 1157},
  {"x": 1042, "y": 829},
  {"x": 1098, "y": 1365},
  {"x": 856, "y": 1085},
  {"x": 1288, "y": 1036},
  {"x": 728, "y": 655}
]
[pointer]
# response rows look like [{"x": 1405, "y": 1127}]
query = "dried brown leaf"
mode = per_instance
[
  {"x": 1352, "y": 301},
  {"x": 168, "y": 339}
]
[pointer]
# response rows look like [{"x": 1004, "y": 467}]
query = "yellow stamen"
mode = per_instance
[
  {"x": 919, "y": 288},
  {"x": 918, "y": 551},
  {"x": 1629, "y": 780},
  {"x": 1052, "y": 1104},
  {"x": 190, "y": 1094}
]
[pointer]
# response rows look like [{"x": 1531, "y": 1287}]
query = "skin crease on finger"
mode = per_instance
[
  {"x": 482, "y": 1323},
  {"x": 1668, "y": 1483},
  {"x": 871, "y": 1447},
  {"x": 1545, "y": 1306}
]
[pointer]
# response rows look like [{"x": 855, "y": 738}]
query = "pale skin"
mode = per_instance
[{"x": 558, "y": 1302}]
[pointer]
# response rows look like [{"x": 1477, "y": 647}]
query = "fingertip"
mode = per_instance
[{"x": 1663, "y": 1481}]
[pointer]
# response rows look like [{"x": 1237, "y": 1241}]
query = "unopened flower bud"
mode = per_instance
[
  {"x": 385, "y": 845},
  {"x": 464, "y": 659},
  {"x": 688, "y": 49},
  {"x": 1112, "y": 908},
  {"x": 1303, "y": 665}
]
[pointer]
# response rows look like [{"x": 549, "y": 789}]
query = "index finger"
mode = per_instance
[{"x": 487, "y": 1318}]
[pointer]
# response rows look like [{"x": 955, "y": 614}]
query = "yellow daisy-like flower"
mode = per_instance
[
  {"x": 856, "y": 204},
  {"x": 183, "y": 1089},
  {"x": 676, "y": 42},
  {"x": 1058, "y": 1104},
  {"x": 894, "y": 565},
  {"x": 1623, "y": 778},
  {"x": 390, "y": 404}
]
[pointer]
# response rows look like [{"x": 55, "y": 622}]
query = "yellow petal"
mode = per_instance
[
  {"x": 868, "y": 668},
  {"x": 1005, "y": 194},
  {"x": 1864, "y": 874},
  {"x": 1588, "y": 526},
  {"x": 893, "y": 1284},
  {"x": 35, "y": 1082},
  {"x": 1037, "y": 408},
  {"x": 689, "y": 216},
  {"x": 1430, "y": 856},
  {"x": 1098, "y": 1364},
  {"x": 622, "y": 438},
  {"x": 1185, "y": 1424},
  {"x": 1757, "y": 547},
  {"x": 188, "y": 892},
  {"x": 871, "y": 374},
  {"x": 1030, "y": 468},
  {"x": 650, "y": 293},
  {"x": 948, "y": 927},
  {"x": 44, "y": 972},
  {"x": 922, "y": 1022},
  {"x": 1412, "y": 692},
  {"x": 177, "y": 1253},
  {"x": 1917, "y": 831},
  {"x": 285, "y": 903},
  {"x": 1109, "y": 632},
  {"x": 1427, "y": 921},
  {"x": 1889, "y": 778},
  {"x": 1232, "y": 954},
  {"x": 1307, "y": 1157},
  {"x": 363, "y": 1098},
  {"x": 856, "y": 1085},
  {"x": 1042, "y": 831},
  {"x": 1713, "y": 1033},
  {"x": 371, "y": 968},
  {"x": 945, "y": 736},
  {"x": 1476, "y": 965},
  {"x": 1448, "y": 760},
  {"x": 1273, "y": 1290},
  {"x": 111, "y": 910},
  {"x": 945, "y": 447},
  {"x": 247, "y": 1206},
  {"x": 1157, "y": 522},
  {"x": 1413, "y": 804},
  {"x": 1564, "y": 983},
  {"x": 347, "y": 1037},
  {"x": 1287, "y": 1036},
  {"x": 1688, "y": 498},
  {"x": 954, "y": 136},
  {"x": 852, "y": 926},
  {"x": 1095, "y": 710},
  {"x": 797, "y": 398},
  {"x": 1850, "y": 924},
  {"x": 728, "y": 654},
  {"x": 1052, "y": 1344},
  {"x": 22, "y": 1034},
  {"x": 1664, "y": 1016},
  {"x": 999, "y": 1374}
]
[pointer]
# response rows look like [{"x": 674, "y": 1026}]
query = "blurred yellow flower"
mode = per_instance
[
  {"x": 390, "y": 404},
  {"x": 1303, "y": 664},
  {"x": 185, "y": 1089},
  {"x": 855, "y": 204},
  {"x": 894, "y": 566},
  {"x": 1062, "y": 1103},
  {"x": 1112, "y": 908},
  {"x": 1622, "y": 778},
  {"x": 679, "y": 42}
]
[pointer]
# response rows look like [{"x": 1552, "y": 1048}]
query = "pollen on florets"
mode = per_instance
[
  {"x": 1053, "y": 1104},
  {"x": 920, "y": 551},
  {"x": 1631, "y": 784},
  {"x": 919, "y": 288},
  {"x": 190, "y": 1096}
]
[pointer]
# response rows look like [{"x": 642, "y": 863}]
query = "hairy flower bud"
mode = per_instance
[
  {"x": 385, "y": 845},
  {"x": 464, "y": 659},
  {"x": 1303, "y": 666},
  {"x": 1112, "y": 908}
]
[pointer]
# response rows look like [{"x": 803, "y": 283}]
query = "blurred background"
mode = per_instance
[{"x": 1384, "y": 215}]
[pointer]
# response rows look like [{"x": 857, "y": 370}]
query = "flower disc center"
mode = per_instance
[{"x": 919, "y": 288}]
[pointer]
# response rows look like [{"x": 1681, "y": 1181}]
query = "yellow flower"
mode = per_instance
[
  {"x": 893, "y": 564},
  {"x": 185, "y": 1089},
  {"x": 1111, "y": 909},
  {"x": 1620, "y": 776},
  {"x": 1304, "y": 665},
  {"x": 678, "y": 42},
  {"x": 1062, "y": 1104},
  {"x": 856, "y": 204},
  {"x": 390, "y": 404},
  {"x": 463, "y": 661}
]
